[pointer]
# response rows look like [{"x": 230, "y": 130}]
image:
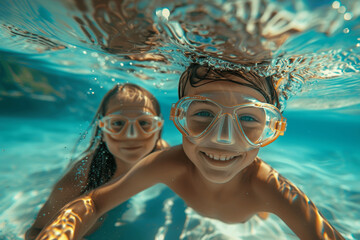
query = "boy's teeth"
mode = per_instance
[{"x": 219, "y": 157}]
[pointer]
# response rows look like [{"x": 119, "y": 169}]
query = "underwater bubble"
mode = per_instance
[
  {"x": 18, "y": 195},
  {"x": 118, "y": 224},
  {"x": 342, "y": 9},
  {"x": 336, "y": 4},
  {"x": 347, "y": 16},
  {"x": 165, "y": 13},
  {"x": 94, "y": 54}
]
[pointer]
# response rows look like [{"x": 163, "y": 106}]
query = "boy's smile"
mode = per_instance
[
  {"x": 220, "y": 157},
  {"x": 220, "y": 160},
  {"x": 210, "y": 164}
]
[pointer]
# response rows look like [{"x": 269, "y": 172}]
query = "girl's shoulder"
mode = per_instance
[{"x": 78, "y": 172}]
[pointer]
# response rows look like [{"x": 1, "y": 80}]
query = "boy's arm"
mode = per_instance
[
  {"x": 284, "y": 199},
  {"x": 65, "y": 190},
  {"x": 74, "y": 220}
]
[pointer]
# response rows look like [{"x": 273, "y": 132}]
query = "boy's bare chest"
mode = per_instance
[{"x": 228, "y": 208}]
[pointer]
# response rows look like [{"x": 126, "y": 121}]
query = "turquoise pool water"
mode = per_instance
[{"x": 58, "y": 60}]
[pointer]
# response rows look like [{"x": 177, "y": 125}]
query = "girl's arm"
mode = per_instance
[
  {"x": 74, "y": 220},
  {"x": 65, "y": 190},
  {"x": 284, "y": 199}
]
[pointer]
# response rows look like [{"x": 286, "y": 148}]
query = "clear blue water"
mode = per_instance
[{"x": 57, "y": 60}]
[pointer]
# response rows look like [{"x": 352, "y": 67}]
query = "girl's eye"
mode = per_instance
[
  {"x": 118, "y": 123},
  {"x": 144, "y": 123},
  {"x": 247, "y": 119},
  {"x": 204, "y": 114}
]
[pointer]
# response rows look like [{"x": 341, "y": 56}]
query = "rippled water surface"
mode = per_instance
[{"x": 58, "y": 58}]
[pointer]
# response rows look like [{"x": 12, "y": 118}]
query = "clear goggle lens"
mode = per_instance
[
  {"x": 117, "y": 124},
  {"x": 258, "y": 122}
]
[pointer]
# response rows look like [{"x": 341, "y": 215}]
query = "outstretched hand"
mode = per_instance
[{"x": 66, "y": 224}]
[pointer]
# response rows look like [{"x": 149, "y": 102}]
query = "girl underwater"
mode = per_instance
[
  {"x": 127, "y": 127},
  {"x": 225, "y": 116}
]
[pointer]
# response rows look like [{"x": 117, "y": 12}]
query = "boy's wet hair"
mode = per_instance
[
  {"x": 103, "y": 165},
  {"x": 197, "y": 75}
]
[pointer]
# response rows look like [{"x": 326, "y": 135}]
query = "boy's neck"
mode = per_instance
[{"x": 215, "y": 187}]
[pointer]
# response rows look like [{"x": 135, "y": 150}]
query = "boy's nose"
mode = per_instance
[
  {"x": 225, "y": 130},
  {"x": 131, "y": 131}
]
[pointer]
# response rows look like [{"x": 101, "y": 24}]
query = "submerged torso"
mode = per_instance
[{"x": 234, "y": 204}]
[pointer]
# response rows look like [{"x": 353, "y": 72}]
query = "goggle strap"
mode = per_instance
[{"x": 280, "y": 126}]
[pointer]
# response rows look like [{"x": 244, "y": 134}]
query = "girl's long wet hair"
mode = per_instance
[
  {"x": 197, "y": 75},
  {"x": 103, "y": 165}
]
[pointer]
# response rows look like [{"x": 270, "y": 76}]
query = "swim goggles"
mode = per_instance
[
  {"x": 118, "y": 124},
  {"x": 201, "y": 119}
]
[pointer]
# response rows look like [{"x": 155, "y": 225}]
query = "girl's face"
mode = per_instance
[
  {"x": 129, "y": 148},
  {"x": 217, "y": 162}
]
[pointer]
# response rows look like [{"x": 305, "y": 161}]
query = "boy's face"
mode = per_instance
[{"x": 209, "y": 158}]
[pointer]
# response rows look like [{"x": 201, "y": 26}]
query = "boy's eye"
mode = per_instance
[
  {"x": 247, "y": 118},
  {"x": 204, "y": 114}
]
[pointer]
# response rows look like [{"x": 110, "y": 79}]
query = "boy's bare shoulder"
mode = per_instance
[
  {"x": 170, "y": 162},
  {"x": 264, "y": 171},
  {"x": 266, "y": 177},
  {"x": 171, "y": 155},
  {"x": 270, "y": 185}
]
